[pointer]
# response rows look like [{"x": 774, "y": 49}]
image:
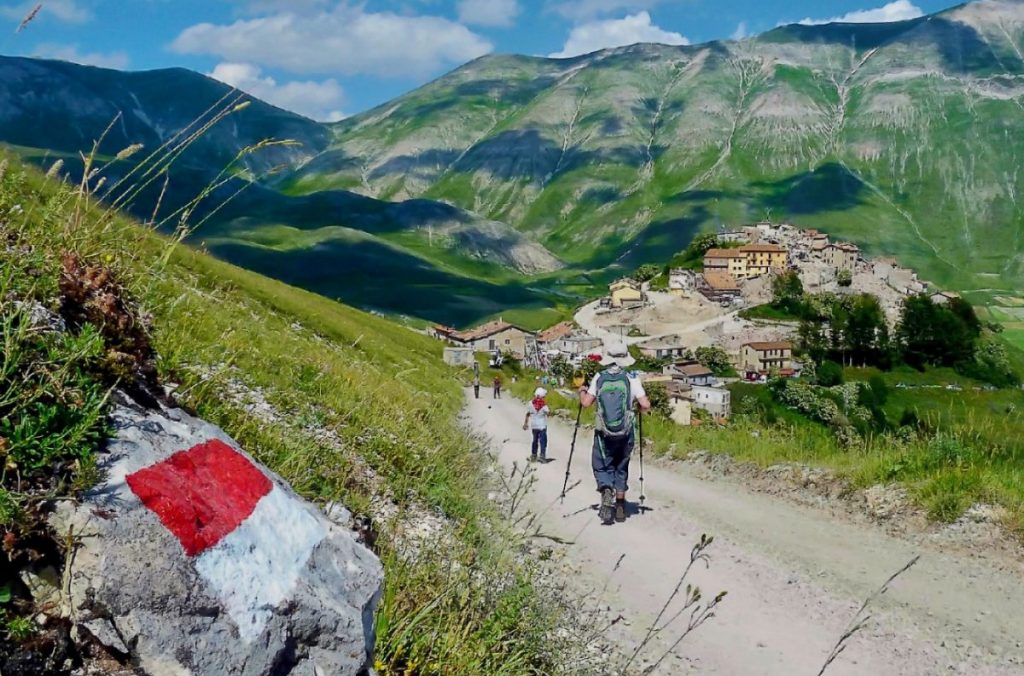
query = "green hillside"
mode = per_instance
[
  {"x": 356, "y": 409},
  {"x": 526, "y": 182},
  {"x": 455, "y": 265},
  {"x": 903, "y": 137}
]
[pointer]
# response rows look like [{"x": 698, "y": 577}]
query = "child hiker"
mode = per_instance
[{"x": 537, "y": 419}]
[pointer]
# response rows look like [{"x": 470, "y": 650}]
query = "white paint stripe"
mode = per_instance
[{"x": 256, "y": 566}]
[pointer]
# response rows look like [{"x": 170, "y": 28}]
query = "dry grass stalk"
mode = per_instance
[
  {"x": 860, "y": 620},
  {"x": 54, "y": 169},
  {"x": 30, "y": 17},
  {"x": 699, "y": 613}
]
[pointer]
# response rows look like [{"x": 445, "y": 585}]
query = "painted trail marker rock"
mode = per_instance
[{"x": 199, "y": 560}]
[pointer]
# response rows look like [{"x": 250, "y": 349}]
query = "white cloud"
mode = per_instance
[
  {"x": 317, "y": 100},
  {"x": 50, "y": 50},
  {"x": 68, "y": 11},
  {"x": 595, "y": 35},
  {"x": 341, "y": 39},
  {"x": 499, "y": 13},
  {"x": 585, "y": 10},
  {"x": 898, "y": 10},
  {"x": 741, "y": 32}
]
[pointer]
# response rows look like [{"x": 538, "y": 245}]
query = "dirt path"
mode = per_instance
[{"x": 795, "y": 575}]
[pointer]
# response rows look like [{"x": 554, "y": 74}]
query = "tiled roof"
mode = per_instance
[
  {"x": 560, "y": 330},
  {"x": 485, "y": 330},
  {"x": 722, "y": 253},
  {"x": 771, "y": 345},
  {"x": 763, "y": 248},
  {"x": 721, "y": 281},
  {"x": 695, "y": 370}
]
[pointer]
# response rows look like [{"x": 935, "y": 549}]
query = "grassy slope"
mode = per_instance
[{"x": 380, "y": 388}]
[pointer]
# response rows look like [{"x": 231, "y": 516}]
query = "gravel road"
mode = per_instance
[{"x": 795, "y": 575}]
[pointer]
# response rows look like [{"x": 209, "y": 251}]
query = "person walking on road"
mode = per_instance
[
  {"x": 476, "y": 380},
  {"x": 497, "y": 387},
  {"x": 615, "y": 393},
  {"x": 537, "y": 420}
]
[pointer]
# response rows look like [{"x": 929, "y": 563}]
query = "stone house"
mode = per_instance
[
  {"x": 666, "y": 347},
  {"x": 496, "y": 335},
  {"x": 681, "y": 281},
  {"x": 719, "y": 286},
  {"x": 763, "y": 357},
  {"x": 944, "y": 297},
  {"x": 553, "y": 334},
  {"x": 577, "y": 344},
  {"x": 842, "y": 256},
  {"x": 691, "y": 373}
]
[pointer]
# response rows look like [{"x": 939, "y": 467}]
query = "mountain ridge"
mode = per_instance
[{"x": 903, "y": 137}]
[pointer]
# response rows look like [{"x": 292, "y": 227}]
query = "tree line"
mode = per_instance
[{"x": 852, "y": 330}]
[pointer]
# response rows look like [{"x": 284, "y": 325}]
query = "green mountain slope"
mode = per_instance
[
  {"x": 904, "y": 137},
  {"x": 338, "y": 243}
]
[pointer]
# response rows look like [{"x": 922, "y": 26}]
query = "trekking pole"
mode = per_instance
[
  {"x": 640, "y": 425},
  {"x": 572, "y": 448}
]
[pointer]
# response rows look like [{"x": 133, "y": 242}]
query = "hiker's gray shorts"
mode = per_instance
[{"x": 610, "y": 459}]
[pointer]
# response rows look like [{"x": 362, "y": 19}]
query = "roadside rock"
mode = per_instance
[
  {"x": 197, "y": 560},
  {"x": 883, "y": 502}
]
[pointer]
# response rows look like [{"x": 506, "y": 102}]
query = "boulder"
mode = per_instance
[{"x": 198, "y": 560}]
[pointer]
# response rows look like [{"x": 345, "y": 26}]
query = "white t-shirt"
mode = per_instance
[
  {"x": 636, "y": 388},
  {"x": 538, "y": 419}
]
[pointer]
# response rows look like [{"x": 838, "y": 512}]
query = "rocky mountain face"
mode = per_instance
[{"x": 905, "y": 137}]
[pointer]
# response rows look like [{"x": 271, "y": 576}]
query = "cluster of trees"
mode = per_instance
[
  {"x": 714, "y": 358},
  {"x": 852, "y": 330}
]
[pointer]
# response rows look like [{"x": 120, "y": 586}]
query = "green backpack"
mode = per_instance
[{"x": 614, "y": 417}]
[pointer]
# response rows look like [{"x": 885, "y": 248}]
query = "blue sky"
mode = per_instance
[{"x": 330, "y": 58}]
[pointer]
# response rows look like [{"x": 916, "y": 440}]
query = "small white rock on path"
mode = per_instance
[{"x": 795, "y": 575}]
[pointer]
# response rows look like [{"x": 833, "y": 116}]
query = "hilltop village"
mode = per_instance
[{"x": 695, "y": 326}]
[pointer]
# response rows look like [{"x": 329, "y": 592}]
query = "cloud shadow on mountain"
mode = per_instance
[
  {"x": 830, "y": 187},
  {"x": 962, "y": 48}
]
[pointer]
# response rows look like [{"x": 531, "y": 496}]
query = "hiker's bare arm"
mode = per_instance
[
  {"x": 586, "y": 398},
  {"x": 526, "y": 420},
  {"x": 645, "y": 404}
]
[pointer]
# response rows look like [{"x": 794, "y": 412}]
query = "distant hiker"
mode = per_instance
[
  {"x": 476, "y": 380},
  {"x": 537, "y": 420},
  {"x": 497, "y": 387},
  {"x": 615, "y": 394}
]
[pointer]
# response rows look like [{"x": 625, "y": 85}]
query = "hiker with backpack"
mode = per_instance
[
  {"x": 537, "y": 420},
  {"x": 497, "y": 387},
  {"x": 615, "y": 393}
]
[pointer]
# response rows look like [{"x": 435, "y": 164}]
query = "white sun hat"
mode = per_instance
[
  {"x": 540, "y": 392},
  {"x": 616, "y": 352}
]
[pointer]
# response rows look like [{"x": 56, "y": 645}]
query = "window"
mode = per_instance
[
  {"x": 508, "y": 341},
  {"x": 490, "y": 344}
]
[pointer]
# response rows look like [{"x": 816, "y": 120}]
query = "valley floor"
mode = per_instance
[{"x": 795, "y": 575}]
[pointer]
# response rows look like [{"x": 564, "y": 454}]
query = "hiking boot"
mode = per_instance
[
  {"x": 620, "y": 511},
  {"x": 606, "y": 512}
]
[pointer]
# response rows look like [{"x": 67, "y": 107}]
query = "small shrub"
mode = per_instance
[
  {"x": 830, "y": 374},
  {"x": 661, "y": 404}
]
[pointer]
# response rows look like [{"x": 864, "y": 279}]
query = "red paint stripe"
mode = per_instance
[{"x": 201, "y": 494}]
